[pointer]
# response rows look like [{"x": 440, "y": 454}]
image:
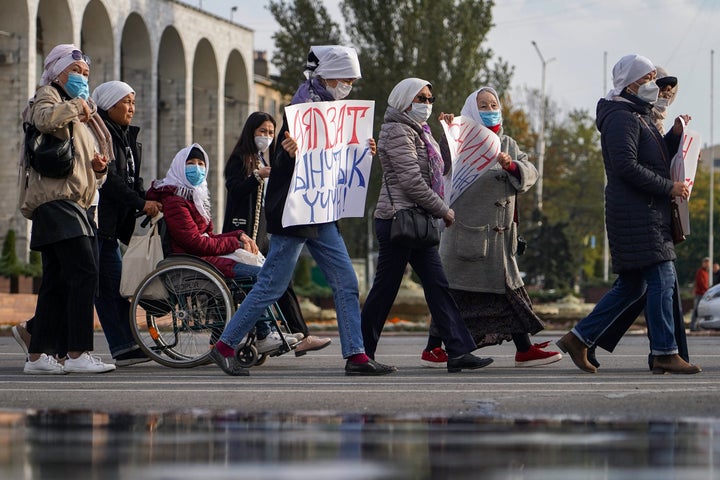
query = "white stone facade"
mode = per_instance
[{"x": 192, "y": 71}]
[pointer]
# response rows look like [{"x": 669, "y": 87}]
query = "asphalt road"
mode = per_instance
[{"x": 623, "y": 387}]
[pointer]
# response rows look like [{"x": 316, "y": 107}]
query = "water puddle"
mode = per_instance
[{"x": 203, "y": 445}]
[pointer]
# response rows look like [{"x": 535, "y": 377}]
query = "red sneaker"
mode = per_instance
[
  {"x": 435, "y": 358},
  {"x": 536, "y": 356}
]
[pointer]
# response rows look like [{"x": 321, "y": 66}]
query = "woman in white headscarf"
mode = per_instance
[
  {"x": 62, "y": 227},
  {"x": 413, "y": 176},
  {"x": 121, "y": 198},
  {"x": 637, "y": 216},
  {"x": 479, "y": 252}
]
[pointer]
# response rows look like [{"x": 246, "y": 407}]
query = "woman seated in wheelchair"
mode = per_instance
[{"x": 185, "y": 198}]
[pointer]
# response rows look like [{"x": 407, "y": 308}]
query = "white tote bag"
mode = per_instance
[{"x": 140, "y": 259}]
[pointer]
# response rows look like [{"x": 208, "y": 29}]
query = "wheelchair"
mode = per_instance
[{"x": 180, "y": 309}]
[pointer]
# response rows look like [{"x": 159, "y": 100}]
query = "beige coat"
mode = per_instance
[{"x": 51, "y": 114}]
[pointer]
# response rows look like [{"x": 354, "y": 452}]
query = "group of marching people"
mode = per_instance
[{"x": 472, "y": 282}]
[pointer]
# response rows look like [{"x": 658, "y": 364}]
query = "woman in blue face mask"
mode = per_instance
[
  {"x": 186, "y": 207},
  {"x": 479, "y": 252},
  {"x": 185, "y": 199},
  {"x": 62, "y": 214}
]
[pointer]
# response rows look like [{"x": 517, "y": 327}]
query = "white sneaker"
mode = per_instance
[
  {"x": 44, "y": 366},
  {"x": 291, "y": 338},
  {"x": 269, "y": 343},
  {"x": 86, "y": 363}
]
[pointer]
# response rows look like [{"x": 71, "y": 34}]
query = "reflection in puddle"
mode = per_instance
[{"x": 317, "y": 445}]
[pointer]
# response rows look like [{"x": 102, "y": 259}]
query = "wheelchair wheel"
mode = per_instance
[
  {"x": 179, "y": 312},
  {"x": 247, "y": 356},
  {"x": 261, "y": 359}
]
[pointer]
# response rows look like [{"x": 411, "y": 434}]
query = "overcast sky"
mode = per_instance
[{"x": 574, "y": 36}]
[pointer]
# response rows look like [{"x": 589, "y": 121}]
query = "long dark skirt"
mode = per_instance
[{"x": 492, "y": 318}]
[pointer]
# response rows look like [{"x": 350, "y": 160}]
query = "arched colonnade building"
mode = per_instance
[{"x": 192, "y": 71}]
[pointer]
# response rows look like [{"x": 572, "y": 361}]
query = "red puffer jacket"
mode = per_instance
[{"x": 191, "y": 233}]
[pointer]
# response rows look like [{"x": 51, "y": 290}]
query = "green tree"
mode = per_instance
[
  {"x": 10, "y": 265},
  {"x": 438, "y": 40},
  {"x": 695, "y": 247},
  {"x": 573, "y": 189},
  {"x": 546, "y": 258},
  {"x": 303, "y": 23}
]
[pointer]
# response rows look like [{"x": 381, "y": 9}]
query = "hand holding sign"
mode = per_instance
[
  {"x": 474, "y": 149},
  {"x": 290, "y": 145}
]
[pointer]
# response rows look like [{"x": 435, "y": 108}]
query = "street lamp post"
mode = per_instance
[
  {"x": 232, "y": 12},
  {"x": 541, "y": 138}
]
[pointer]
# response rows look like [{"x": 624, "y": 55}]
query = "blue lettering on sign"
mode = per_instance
[{"x": 327, "y": 201}]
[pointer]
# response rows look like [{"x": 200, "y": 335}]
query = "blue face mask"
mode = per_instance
[
  {"x": 195, "y": 174},
  {"x": 490, "y": 117},
  {"x": 77, "y": 86}
]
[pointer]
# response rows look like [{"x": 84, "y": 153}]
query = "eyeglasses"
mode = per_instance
[
  {"x": 424, "y": 99},
  {"x": 78, "y": 56}
]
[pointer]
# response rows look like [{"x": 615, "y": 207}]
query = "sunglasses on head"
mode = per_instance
[
  {"x": 78, "y": 56},
  {"x": 424, "y": 99}
]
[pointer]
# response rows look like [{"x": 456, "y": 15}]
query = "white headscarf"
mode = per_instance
[
  {"x": 627, "y": 70},
  {"x": 107, "y": 94},
  {"x": 175, "y": 177},
  {"x": 57, "y": 61},
  {"x": 334, "y": 62},
  {"x": 470, "y": 109},
  {"x": 403, "y": 93}
]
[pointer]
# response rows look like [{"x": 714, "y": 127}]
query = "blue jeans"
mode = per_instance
[
  {"x": 112, "y": 308},
  {"x": 659, "y": 281},
  {"x": 330, "y": 253},
  {"x": 241, "y": 270}
]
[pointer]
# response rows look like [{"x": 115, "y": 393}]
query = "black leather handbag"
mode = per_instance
[
  {"x": 413, "y": 227},
  {"x": 47, "y": 154}
]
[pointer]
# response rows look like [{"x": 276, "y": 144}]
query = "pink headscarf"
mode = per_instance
[{"x": 57, "y": 61}]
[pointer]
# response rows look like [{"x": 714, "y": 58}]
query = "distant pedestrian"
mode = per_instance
[{"x": 702, "y": 278}]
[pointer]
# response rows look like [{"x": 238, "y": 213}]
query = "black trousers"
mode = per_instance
[
  {"x": 392, "y": 261},
  {"x": 64, "y": 312},
  {"x": 290, "y": 308}
]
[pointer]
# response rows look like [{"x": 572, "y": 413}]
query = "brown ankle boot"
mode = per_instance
[
  {"x": 577, "y": 350},
  {"x": 673, "y": 364}
]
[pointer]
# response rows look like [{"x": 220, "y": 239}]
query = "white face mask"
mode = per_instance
[
  {"x": 661, "y": 104},
  {"x": 339, "y": 91},
  {"x": 648, "y": 91},
  {"x": 420, "y": 112},
  {"x": 263, "y": 143}
]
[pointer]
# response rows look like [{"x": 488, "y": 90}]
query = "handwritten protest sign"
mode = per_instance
[
  {"x": 332, "y": 165},
  {"x": 683, "y": 168},
  {"x": 473, "y": 148}
]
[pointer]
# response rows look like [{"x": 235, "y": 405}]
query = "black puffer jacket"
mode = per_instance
[{"x": 637, "y": 195}]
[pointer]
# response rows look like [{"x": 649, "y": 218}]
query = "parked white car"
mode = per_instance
[{"x": 708, "y": 309}]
